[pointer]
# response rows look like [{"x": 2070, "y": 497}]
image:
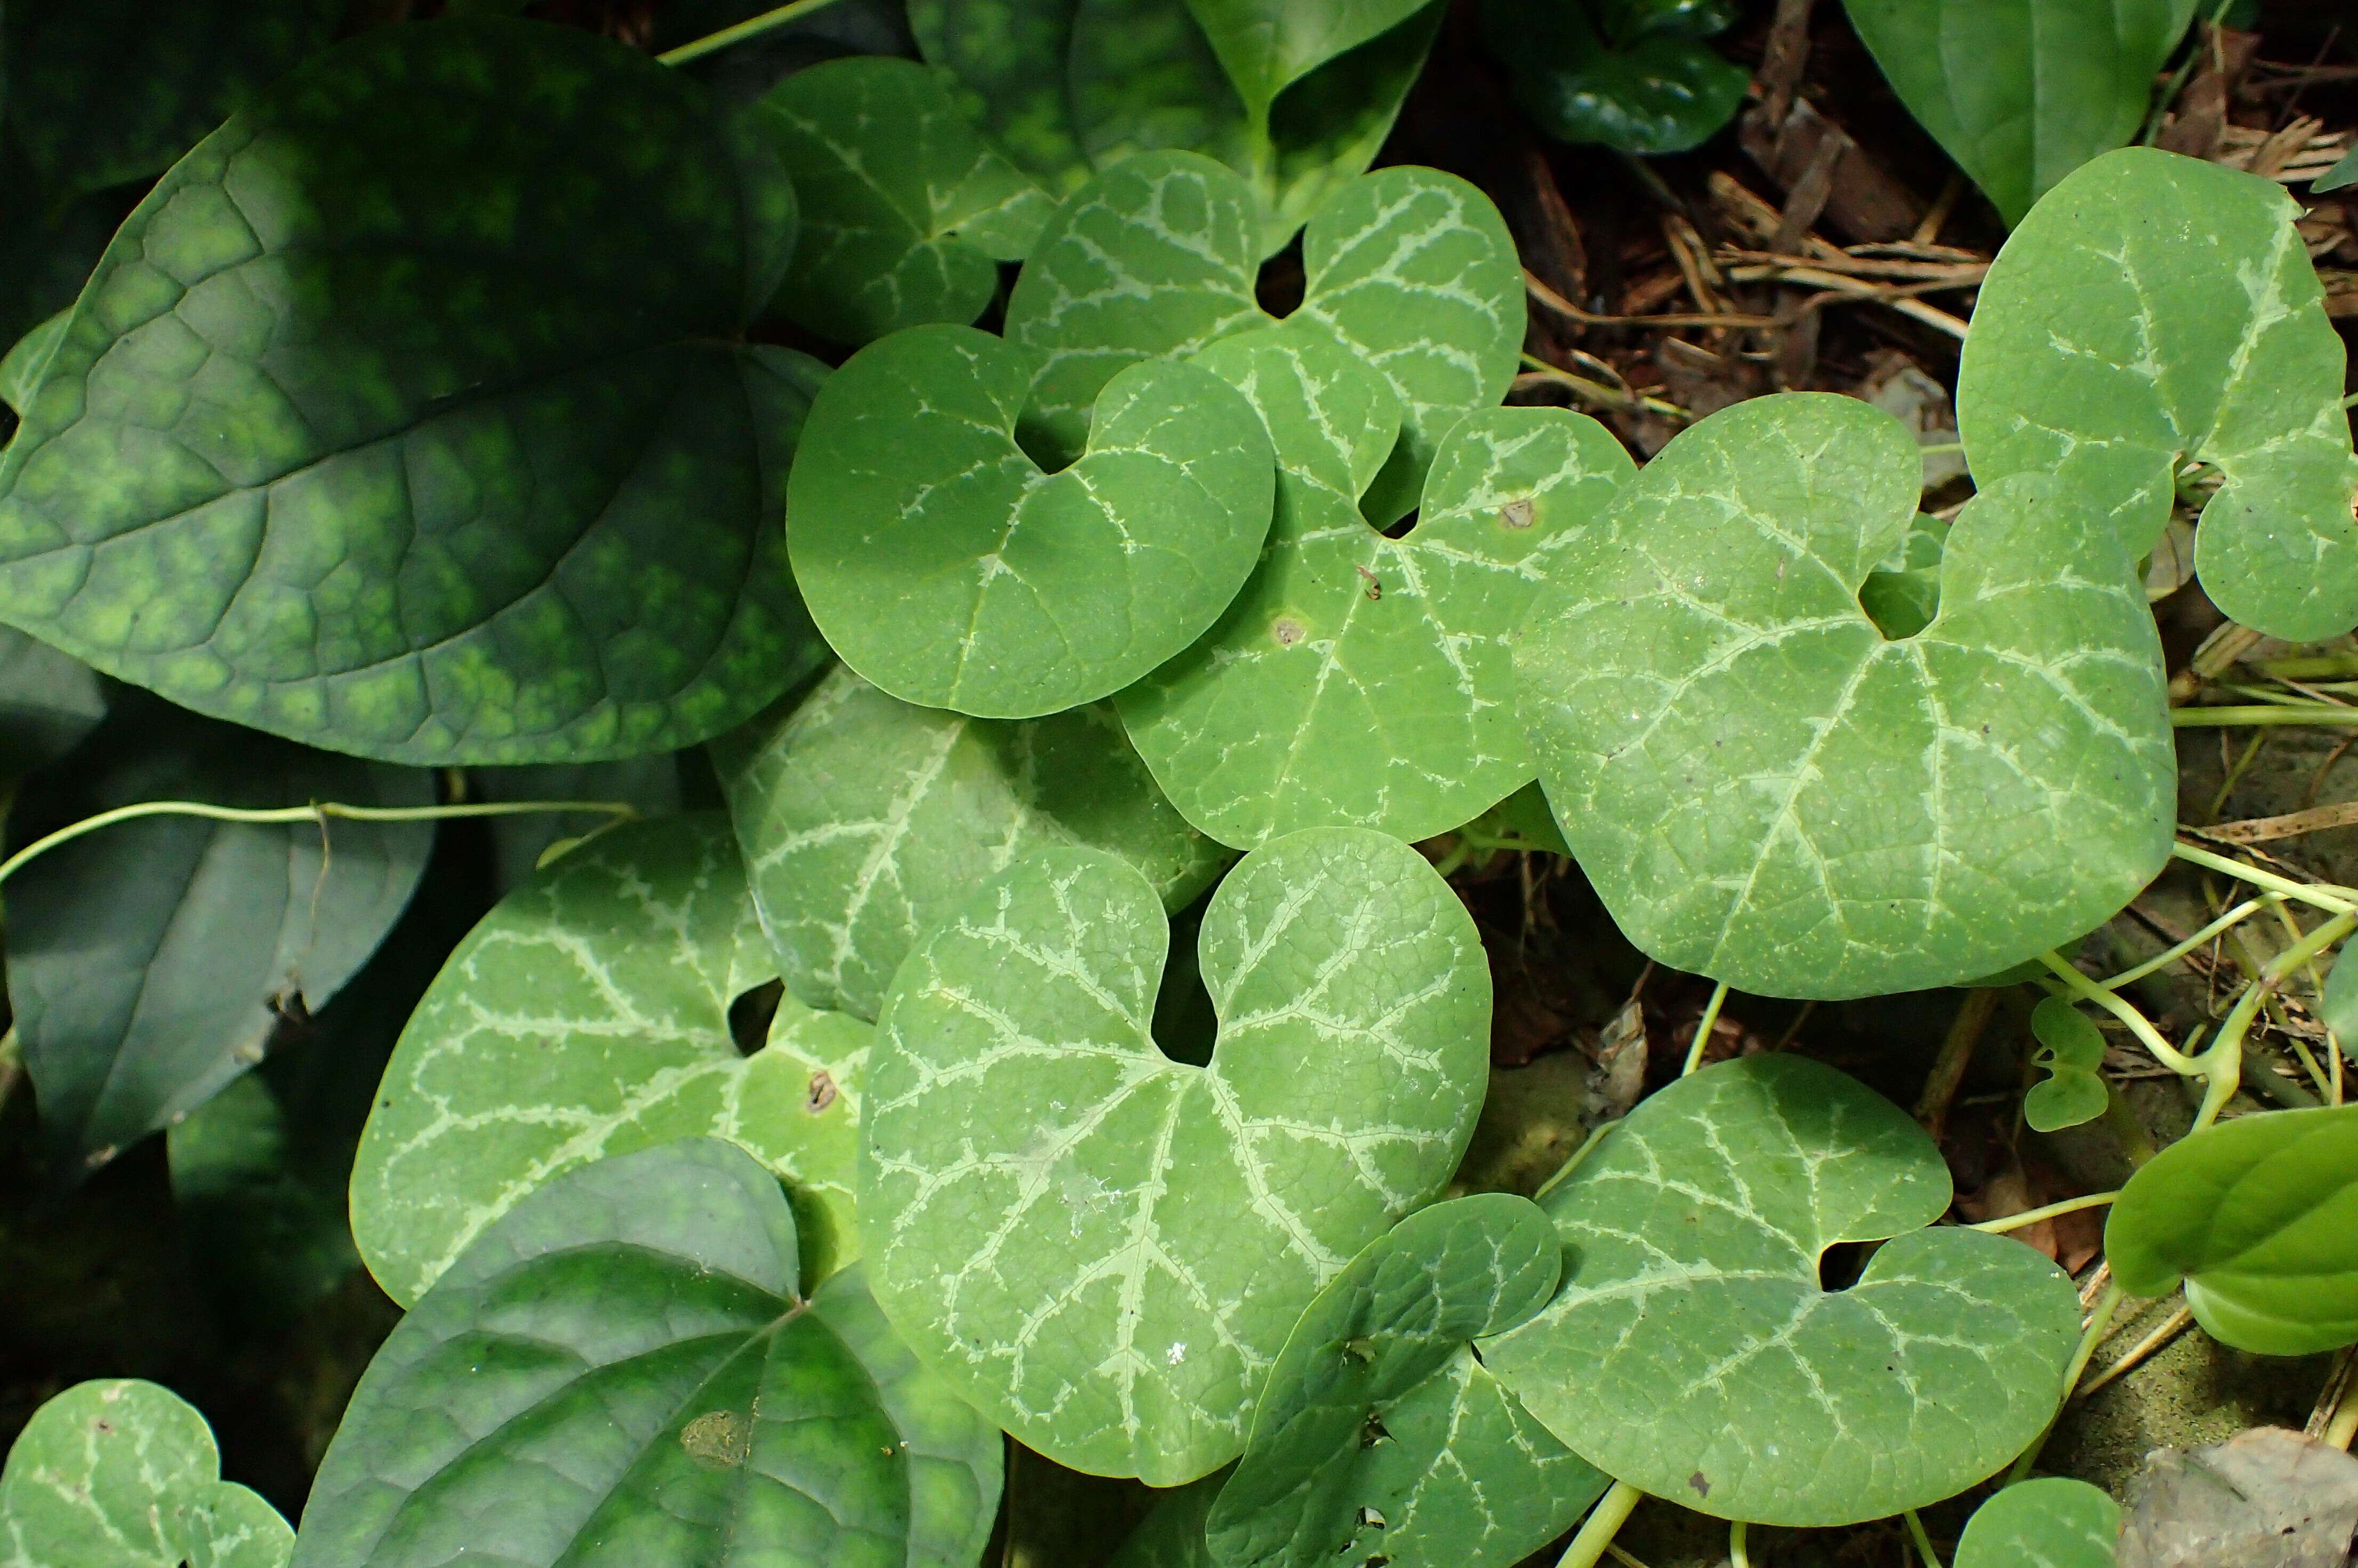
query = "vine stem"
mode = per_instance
[
  {"x": 2033, "y": 1216},
  {"x": 320, "y": 812},
  {"x": 2227, "y": 715},
  {"x": 2234, "y": 917},
  {"x": 1923, "y": 1541},
  {"x": 2222, "y": 1063},
  {"x": 1703, "y": 1028},
  {"x": 2086, "y": 990},
  {"x": 2326, "y": 898},
  {"x": 2090, "y": 1337},
  {"x": 1604, "y": 1520},
  {"x": 752, "y": 26}
]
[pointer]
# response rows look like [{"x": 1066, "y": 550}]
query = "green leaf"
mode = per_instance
[
  {"x": 1379, "y": 1428},
  {"x": 1266, "y": 45},
  {"x": 121, "y": 1474},
  {"x": 2052, "y": 1523},
  {"x": 2341, "y": 176},
  {"x": 588, "y": 1015},
  {"x": 626, "y": 1369},
  {"x": 2337, "y": 1009},
  {"x": 1360, "y": 680},
  {"x": 1173, "y": 1535},
  {"x": 944, "y": 567},
  {"x": 2260, "y": 1216},
  {"x": 150, "y": 962},
  {"x": 865, "y": 820},
  {"x": 1659, "y": 91},
  {"x": 1104, "y": 1249},
  {"x": 48, "y": 703},
  {"x": 2072, "y": 1052},
  {"x": 1005, "y": 61},
  {"x": 101, "y": 91},
  {"x": 904, "y": 206},
  {"x": 2021, "y": 92},
  {"x": 1521, "y": 822},
  {"x": 2155, "y": 310},
  {"x": 1410, "y": 268},
  {"x": 21, "y": 370},
  {"x": 347, "y": 441},
  {"x": 1766, "y": 790},
  {"x": 1693, "y": 1353}
]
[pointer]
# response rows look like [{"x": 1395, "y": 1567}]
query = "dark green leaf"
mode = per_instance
[
  {"x": 48, "y": 703},
  {"x": 1006, "y": 59},
  {"x": 2052, "y": 1523},
  {"x": 626, "y": 1371},
  {"x": 149, "y": 962},
  {"x": 2071, "y": 1051},
  {"x": 2260, "y": 1217},
  {"x": 22, "y": 370},
  {"x": 2340, "y": 175},
  {"x": 405, "y": 414},
  {"x": 1659, "y": 90}
]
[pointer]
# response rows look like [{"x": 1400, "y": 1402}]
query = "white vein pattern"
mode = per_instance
[{"x": 1105, "y": 1248}]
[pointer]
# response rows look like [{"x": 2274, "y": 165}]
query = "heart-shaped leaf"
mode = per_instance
[
  {"x": 865, "y": 819},
  {"x": 1266, "y": 45},
  {"x": 1103, "y": 1247},
  {"x": 626, "y": 1369},
  {"x": 904, "y": 205},
  {"x": 588, "y": 1014},
  {"x": 1649, "y": 89},
  {"x": 1410, "y": 268},
  {"x": 2072, "y": 1052},
  {"x": 1360, "y": 680},
  {"x": 2024, "y": 91},
  {"x": 1765, "y": 789},
  {"x": 1378, "y": 1429},
  {"x": 944, "y": 567},
  {"x": 2052, "y": 1523},
  {"x": 2155, "y": 309},
  {"x": 528, "y": 524},
  {"x": 1693, "y": 1353},
  {"x": 151, "y": 963},
  {"x": 2260, "y": 1217},
  {"x": 122, "y": 1474}
]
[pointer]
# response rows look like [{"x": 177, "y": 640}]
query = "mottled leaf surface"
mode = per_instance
[
  {"x": 1103, "y": 1247},
  {"x": 347, "y": 439},
  {"x": 1360, "y": 680},
  {"x": 865, "y": 820},
  {"x": 1693, "y": 1353},
  {"x": 2259, "y": 1216},
  {"x": 627, "y": 1368},
  {"x": 1006, "y": 63},
  {"x": 1767, "y": 790},
  {"x": 2155, "y": 310},
  {"x": 2072, "y": 1054},
  {"x": 1379, "y": 1434},
  {"x": 946, "y": 568},
  {"x": 904, "y": 205},
  {"x": 1410, "y": 269},
  {"x": 2052, "y": 1523},
  {"x": 2021, "y": 92},
  {"x": 588, "y": 1015},
  {"x": 1654, "y": 88},
  {"x": 116, "y": 1473}
]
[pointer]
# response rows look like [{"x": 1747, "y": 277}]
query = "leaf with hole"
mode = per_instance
[
  {"x": 1360, "y": 680},
  {"x": 2052, "y": 1523},
  {"x": 1635, "y": 77},
  {"x": 1104, "y": 1247},
  {"x": 1409, "y": 268},
  {"x": 536, "y": 522},
  {"x": 627, "y": 1368},
  {"x": 2259, "y": 1216},
  {"x": 904, "y": 206},
  {"x": 865, "y": 820},
  {"x": 1766, "y": 789},
  {"x": 116, "y": 1473},
  {"x": 152, "y": 962},
  {"x": 948, "y": 569},
  {"x": 1694, "y": 1352},
  {"x": 1380, "y": 1428},
  {"x": 2072, "y": 1054},
  {"x": 588, "y": 1014},
  {"x": 2155, "y": 311}
]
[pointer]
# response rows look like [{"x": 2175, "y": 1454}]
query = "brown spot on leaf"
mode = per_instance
[
  {"x": 1288, "y": 631},
  {"x": 1517, "y": 514},
  {"x": 1700, "y": 1482},
  {"x": 822, "y": 1092}
]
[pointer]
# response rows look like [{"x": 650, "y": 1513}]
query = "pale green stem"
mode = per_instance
[
  {"x": 1703, "y": 1028},
  {"x": 320, "y": 813},
  {"x": 1568, "y": 1166},
  {"x": 2326, "y": 897},
  {"x": 2086, "y": 990},
  {"x": 2351, "y": 401},
  {"x": 1738, "y": 1557},
  {"x": 2222, "y": 1064},
  {"x": 2033, "y": 1216},
  {"x": 1611, "y": 1512},
  {"x": 2220, "y": 717},
  {"x": 2233, "y": 917},
  {"x": 1940, "y": 449},
  {"x": 2090, "y": 1337},
  {"x": 1923, "y": 1541},
  {"x": 752, "y": 26}
]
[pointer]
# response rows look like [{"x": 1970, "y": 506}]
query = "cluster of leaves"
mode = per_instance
[{"x": 420, "y": 415}]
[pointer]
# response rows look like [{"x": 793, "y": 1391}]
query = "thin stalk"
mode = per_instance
[
  {"x": 1738, "y": 1557},
  {"x": 751, "y": 27},
  {"x": 1923, "y": 1541},
  {"x": 2304, "y": 713},
  {"x": 2129, "y": 1359},
  {"x": 2323, "y": 897},
  {"x": 2086, "y": 990},
  {"x": 2033, "y": 1216},
  {"x": 2222, "y": 1063},
  {"x": 2317, "y": 1075},
  {"x": 1621, "y": 1554},
  {"x": 1604, "y": 1520},
  {"x": 2201, "y": 938},
  {"x": 1568, "y": 1166},
  {"x": 1703, "y": 1028},
  {"x": 2090, "y": 1337}
]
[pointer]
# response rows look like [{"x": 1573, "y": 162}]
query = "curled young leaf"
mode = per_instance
[
  {"x": 2052, "y": 1523},
  {"x": 944, "y": 567},
  {"x": 627, "y": 1368},
  {"x": 1381, "y": 1428},
  {"x": 2072, "y": 1052},
  {"x": 1104, "y": 1247},
  {"x": 590, "y": 1014},
  {"x": 1694, "y": 1352},
  {"x": 865, "y": 819},
  {"x": 2156, "y": 310},
  {"x": 1767, "y": 789},
  {"x": 1360, "y": 680},
  {"x": 2259, "y": 1216}
]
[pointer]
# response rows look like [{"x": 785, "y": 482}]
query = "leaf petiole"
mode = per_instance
[
  {"x": 2324, "y": 897},
  {"x": 1923, "y": 1541},
  {"x": 2030, "y": 1216},
  {"x": 2219, "y": 718},
  {"x": 2234, "y": 917},
  {"x": 2086, "y": 990},
  {"x": 1703, "y": 1028},
  {"x": 1612, "y": 1510},
  {"x": 2090, "y": 1337},
  {"x": 2222, "y": 1064},
  {"x": 752, "y": 26}
]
